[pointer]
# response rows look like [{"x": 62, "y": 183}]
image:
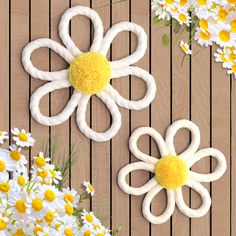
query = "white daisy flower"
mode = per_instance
[
  {"x": 232, "y": 70},
  {"x": 71, "y": 196},
  {"x": 87, "y": 229},
  {"x": 5, "y": 188},
  {"x": 40, "y": 161},
  {"x": 89, "y": 217},
  {"x": 36, "y": 206},
  {"x": 202, "y": 5},
  {"x": 185, "y": 47},
  {"x": 172, "y": 171},
  {"x": 89, "y": 74},
  {"x": 3, "y": 225},
  {"x": 203, "y": 37},
  {"x": 182, "y": 17},
  {"x": 20, "y": 179},
  {"x": 231, "y": 20},
  {"x": 89, "y": 188},
  {"x": 19, "y": 159},
  {"x": 159, "y": 11},
  {"x": 22, "y": 138},
  {"x": 3, "y": 136}
]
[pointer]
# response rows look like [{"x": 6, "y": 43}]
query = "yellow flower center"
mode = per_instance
[
  {"x": 20, "y": 206},
  {"x": 23, "y": 137},
  {"x": 69, "y": 197},
  {"x": 15, "y": 155},
  {"x": 21, "y": 180},
  {"x": 222, "y": 14},
  {"x": 232, "y": 57},
  {"x": 224, "y": 36},
  {"x": 233, "y": 25},
  {"x": 169, "y": 1},
  {"x": 171, "y": 172},
  {"x": 89, "y": 218},
  {"x": 43, "y": 174},
  {"x": 49, "y": 217},
  {"x": 4, "y": 187},
  {"x": 2, "y": 166},
  {"x": 205, "y": 35},
  {"x": 1, "y": 133},
  {"x": 182, "y": 2},
  {"x": 234, "y": 68},
  {"x": 40, "y": 161},
  {"x": 87, "y": 233},
  {"x": 69, "y": 209},
  {"x": 19, "y": 232},
  {"x": 37, "y": 204},
  {"x": 202, "y": 2},
  {"x": 231, "y": 1},
  {"x": 91, "y": 188},
  {"x": 182, "y": 18},
  {"x": 203, "y": 24},
  {"x": 184, "y": 48},
  {"x": 37, "y": 230},
  {"x": 68, "y": 232},
  {"x": 100, "y": 234},
  {"x": 49, "y": 195},
  {"x": 3, "y": 225},
  {"x": 90, "y": 73},
  {"x": 222, "y": 57}
]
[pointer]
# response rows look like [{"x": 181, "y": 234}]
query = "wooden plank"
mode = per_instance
[
  {"x": 221, "y": 141},
  {"x": 180, "y": 109},
  {"x": 160, "y": 108},
  {"x": 40, "y": 29},
  {"x": 59, "y": 98},
  {"x": 140, "y": 15},
  {"x": 80, "y": 171},
  {"x": 4, "y": 66},
  {"x": 101, "y": 151},
  {"x": 200, "y": 113},
  {"x": 120, "y": 156}
]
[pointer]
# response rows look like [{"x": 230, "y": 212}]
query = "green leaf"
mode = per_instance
[
  {"x": 165, "y": 40},
  {"x": 156, "y": 20}
]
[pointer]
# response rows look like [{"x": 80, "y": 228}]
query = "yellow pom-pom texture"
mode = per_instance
[
  {"x": 90, "y": 73},
  {"x": 171, "y": 172}
]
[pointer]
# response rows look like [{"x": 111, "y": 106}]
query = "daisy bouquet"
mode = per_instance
[
  {"x": 33, "y": 203},
  {"x": 210, "y": 21}
]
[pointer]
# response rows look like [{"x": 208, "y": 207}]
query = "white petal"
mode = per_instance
[
  {"x": 64, "y": 28},
  {"x": 46, "y": 89},
  {"x": 45, "y": 75},
  {"x": 145, "y": 76},
  {"x": 219, "y": 170},
  {"x": 206, "y": 200},
  {"x": 137, "y": 54},
  {"x": 133, "y": 144},
  {"x": 195, "y": 137},
  {"x": 168, "y": 211},
  {"x": 133, "y": 167},
  {"x": 115, "y": 113}
]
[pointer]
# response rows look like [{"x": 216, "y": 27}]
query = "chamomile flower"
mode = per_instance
[
  {"x": 89, "y": 217},
  {"x": 3, "y": 225},
  {"x": 22, "y": 138},
  {"x": 87, "y": 229},
  {"x": 89, "y": 188},
  {"x": 203, "y": 37},
  {"x": 159, "y": 11},
  {"x": 231, "y": 20},
  {"x": 40, "y": 161},
  {"x": 185, "y": 47},
  {"x": 3, "y": 136},
  {"x": 182, "y": 17},
  {"x": 5, "y": 188},
  {"x": 201, "y": 5},
  {"x": 70, "y": 196},
  {"x": 20, "y": 179},
  {"x": 6, "y": 164},
  {"x": 19, "y": 159},
  {"x": 232, "y": 70},
  {"x": 37, "y": 207}
]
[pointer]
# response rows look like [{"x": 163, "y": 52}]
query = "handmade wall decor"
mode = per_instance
[
  {"x": 89, "y": 73},
  {"x": 171, "y": 171}
]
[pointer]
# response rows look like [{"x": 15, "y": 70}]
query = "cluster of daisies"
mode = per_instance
[
  {"x": 215, "y": 23},
  {"x": 33, "y": 203}
]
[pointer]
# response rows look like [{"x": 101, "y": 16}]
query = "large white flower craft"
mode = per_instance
[
  {"x": 172, "y": 171},
  {"x": 89, "y": 73}
]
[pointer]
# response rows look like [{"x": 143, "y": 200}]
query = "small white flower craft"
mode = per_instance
[
  {"x": 172, "y": 171},
  {"x": 89, "y": 73}
]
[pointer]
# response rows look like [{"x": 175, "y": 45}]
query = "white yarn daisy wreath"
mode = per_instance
[
  {"x": 89, "y": 73},
  {"x": 172, "y": 171}
]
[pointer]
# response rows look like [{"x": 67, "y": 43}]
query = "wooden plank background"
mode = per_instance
[{"x": 199, "y": 90}]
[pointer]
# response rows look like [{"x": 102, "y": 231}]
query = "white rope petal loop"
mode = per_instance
[
  {"x": 133, "y": 144},
  {"x": 169, "y": 169},
  {"x": 64, "y": 28},
  {"x": 206, "y": 200},
  {"x": 115, "y": 113},
  {"x": 145, "y": 76},
  {"x": 46, "y": 89},
  {"x": 136, "y": 55},
  {"x": 219, "y": 170},
  {"x": 195, "y": 137},
  {"x": 168, "y": 211},
  {"x": 133, "y": 167},
  {"x": 45, "y": 75}
]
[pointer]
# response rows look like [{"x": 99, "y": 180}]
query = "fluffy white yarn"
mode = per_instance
[
  {"x": 190, "y": 156},
  {"x": 59, "y": 79}
]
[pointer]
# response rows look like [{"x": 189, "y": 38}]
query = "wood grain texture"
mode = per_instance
[{"x": 199, "y": 90}]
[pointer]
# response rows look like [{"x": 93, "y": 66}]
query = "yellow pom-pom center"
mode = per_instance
[
  {"x": 90, "y": 73},
  {"x": 4, "y": 187},
  {"x": 37, "y": 204},
  {"x": 171, "y": 172},
  {"x": 15, "y": 155},
  {"x": 3, "y": 225},
  {"x": 2, "y": 166},
  {"x": 20, "y": 206},
  {"x": 23, "y": 137}
]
